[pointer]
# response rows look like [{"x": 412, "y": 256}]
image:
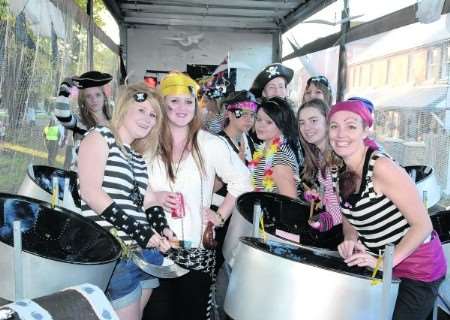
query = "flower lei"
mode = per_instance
[{"x": 268, "y": 154}]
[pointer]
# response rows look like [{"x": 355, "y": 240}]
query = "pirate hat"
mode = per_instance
[
  {"x": 91, "y": 79},
  {"x": 270, "y": 72}
]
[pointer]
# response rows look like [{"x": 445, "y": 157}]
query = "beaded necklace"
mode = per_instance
[{"x": 268, "y": 154}]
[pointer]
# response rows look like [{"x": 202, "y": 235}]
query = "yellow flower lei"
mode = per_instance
[{"x": 267, "y": 181}]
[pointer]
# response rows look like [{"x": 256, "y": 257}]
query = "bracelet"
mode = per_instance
[{"x": 222, "y": 220}]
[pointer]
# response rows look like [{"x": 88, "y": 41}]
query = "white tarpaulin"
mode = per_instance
[{"x": 40, "y": 15}]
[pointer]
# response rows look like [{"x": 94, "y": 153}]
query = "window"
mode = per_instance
[
  {"x": 417, "y": 68},
  {"x": 379, "y": 73},
  {"x": 434, "y": 64}
]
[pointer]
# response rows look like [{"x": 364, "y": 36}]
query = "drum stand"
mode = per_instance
[
  {"x": 18, "y": 268},
  {"x": 387, "y": 279}
]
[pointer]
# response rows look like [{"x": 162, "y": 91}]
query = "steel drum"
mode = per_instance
[
  {"x": 60, "y": 248},
  {"x": 426, "y": 182},
  {"x": 38, "y": 181},
  {"x": 280, "y": 281},
  {"x": 285, "y": 220},
  {"x": 441, "y": 223}
]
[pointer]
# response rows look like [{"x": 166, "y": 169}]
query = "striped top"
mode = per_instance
[
  {"x": 284, "y": 157},
  {"x": 67, "y": 118},
  {"x": 328, "y": 196},
  {"x": 118, "y": 182},
  {"x": 374, "y": 216}
]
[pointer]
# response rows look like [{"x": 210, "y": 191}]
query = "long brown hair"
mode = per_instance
[
  {"x": 326, "y": 90},
  {"x": 125, "y": 99},
  {"x": 314, "y": 159},
  {"x": 165, "y": 148},
  {"x": 86, "y": 114}
]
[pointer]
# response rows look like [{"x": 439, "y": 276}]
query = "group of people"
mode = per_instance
[{"x": 150, "y": 170}]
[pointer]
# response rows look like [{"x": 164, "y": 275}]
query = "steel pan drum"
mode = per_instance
[
  {"x": 284, "y": 219},
  {"x": 280, "y": 281},
  {"x": 280, "y": 213},
  {"x": 425, "y": 180},
  {"x": 441, "y": 223},
  {"x": 37, "y": 184},
  {"x": 60, "y": 248}
]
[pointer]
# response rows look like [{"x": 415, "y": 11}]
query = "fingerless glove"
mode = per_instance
[
  {"x": 141, "y": 233},
  {"x": 156, "y": 217}
]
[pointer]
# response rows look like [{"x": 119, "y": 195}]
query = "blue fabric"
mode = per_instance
[{"x": 127, "y": 278}]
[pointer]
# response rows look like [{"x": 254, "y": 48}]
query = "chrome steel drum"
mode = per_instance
[
  {"x": 60, "y": 248},
  {"x": 285, "y": 220},
  {"x": 37, "y": 184},
  {"x": 425, "y": 180},
  {"x": 441, "y": 223},
  {"x": 281, "y": 281}
]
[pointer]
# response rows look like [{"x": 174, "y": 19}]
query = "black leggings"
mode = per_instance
[
  {"x": 415, "y": 299},
  {"x": 181, "y": 298}
]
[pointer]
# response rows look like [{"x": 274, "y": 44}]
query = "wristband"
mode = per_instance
[
  {"x": 118, "y": 218},
  {"x": 156, "y": 217}
]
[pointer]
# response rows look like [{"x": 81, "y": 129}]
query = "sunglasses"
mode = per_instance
[
  {"x": 140, "y": 96},
  {"x": 238, "y": 113},
  {"x": 320, "y": 79}
]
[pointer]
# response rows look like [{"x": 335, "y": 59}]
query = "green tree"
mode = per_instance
[{"x": 99, "y": 6}]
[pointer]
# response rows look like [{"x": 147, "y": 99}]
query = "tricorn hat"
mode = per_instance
[
  {"x": 91, "y": 79},
  {"x": 270, "y": 72}
]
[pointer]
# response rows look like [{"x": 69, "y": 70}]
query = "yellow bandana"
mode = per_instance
[{"x": 176, "y": 83}]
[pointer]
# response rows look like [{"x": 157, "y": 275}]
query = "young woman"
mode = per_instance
[
  {"x": 381, "y": 206},
  {"x": 318, "y": 162},
  {"x": 182, "y": 176},
  {"x": 274, "y": 166},
  {"x": 318, "y": 87},
  {"x": 93, "y": 107},
  {"x": 240, "y": 109},
  {"x": 272, "y": 81},
  {"x": 112, "y": 183}
]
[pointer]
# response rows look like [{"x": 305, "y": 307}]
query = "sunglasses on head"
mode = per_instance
[
  {"x": 238, "y": 113},
  {"x": 321, "y": 79},
  {"x": 140, "y": 96}
]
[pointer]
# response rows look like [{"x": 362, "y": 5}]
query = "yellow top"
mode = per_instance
[
  {"x": 51, "y": 133},
  {"x": 176, "y": 83}
]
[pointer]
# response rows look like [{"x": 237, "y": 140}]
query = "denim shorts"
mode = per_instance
[{"x": 127, "y": 281}]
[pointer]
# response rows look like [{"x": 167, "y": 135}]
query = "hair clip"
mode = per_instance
[{"x": 140, "y": 96}]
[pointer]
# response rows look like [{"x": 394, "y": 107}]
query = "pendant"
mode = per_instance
[{"x": 136, "y": 196}]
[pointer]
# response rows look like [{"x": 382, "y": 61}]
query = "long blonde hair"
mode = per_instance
[{"x": 147, "y": 144}]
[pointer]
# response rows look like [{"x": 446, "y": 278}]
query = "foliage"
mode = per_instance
[{"x": 99, "y": 6}]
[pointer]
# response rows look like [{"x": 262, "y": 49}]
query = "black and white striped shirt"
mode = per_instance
[
  {"x": 375, "y": 217},
  {"x": 284, "y": 157},
  {"x": 118, "y": 182}
]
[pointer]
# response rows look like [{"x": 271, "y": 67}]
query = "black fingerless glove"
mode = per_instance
[
  {"x": 141, "y": 233},
  {"x": 156, "y": 217}
]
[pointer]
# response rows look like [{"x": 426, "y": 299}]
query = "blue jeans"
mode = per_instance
[{"x": 128, "y": 280}]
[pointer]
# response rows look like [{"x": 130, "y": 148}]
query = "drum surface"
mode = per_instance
[
  {"x": 441, "y": 223},
  {"x": 279, "y": 212},
  {"x": 56, "y": 234},
  {"x": 43, "y": 176}
]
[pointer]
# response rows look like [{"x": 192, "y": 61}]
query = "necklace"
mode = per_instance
[
  {"x": 268, "y": 154},
  {"x": 135, "y": 194}
]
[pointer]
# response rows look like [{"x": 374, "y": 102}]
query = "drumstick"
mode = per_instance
[{"x": 311, "y": 208}]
